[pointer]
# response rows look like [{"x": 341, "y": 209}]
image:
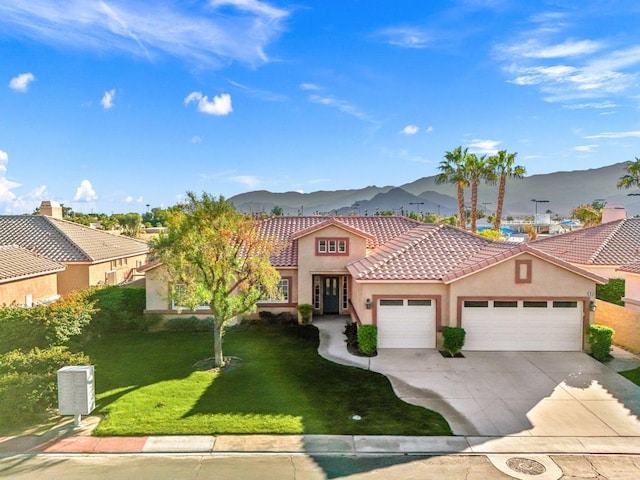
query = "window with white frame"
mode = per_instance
[
  {"x": 332, "y": 246},
  {"x": 177, "y": 288},
  {"x": 283, "y": 293}
]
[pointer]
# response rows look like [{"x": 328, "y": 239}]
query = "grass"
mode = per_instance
[
  {"x": 146, "y": 384},
  {"x": 633, "y": 375}
]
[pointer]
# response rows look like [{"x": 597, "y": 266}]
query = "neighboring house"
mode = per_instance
[
  {"x": 631, "y": 274},
  {"x": 411, "y": 279},
  {"x": 92, "y": 257},
  {"x": 27, "y": 278}
]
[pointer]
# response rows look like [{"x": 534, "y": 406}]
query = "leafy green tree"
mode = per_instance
[
  {"x": 130, "y": 223},
  {"x": 632, "y": 177},
  {"x": 587, "y": 214},
  {"x": 503, "y": 167},
  {"x": 277, "y": 211},
  {"x": 452, "y": 170},
  {"x": 216, "y": 256}
]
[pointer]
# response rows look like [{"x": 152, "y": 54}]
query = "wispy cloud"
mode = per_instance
[
  {"x": 406, "y": 37},
  {"x": 258, "y": 93},
  {"x": 220, "y": 105},
  {"x": 85, "y": 192},
  {"x": 246, "y": 180},
  {"x": 310, "y": 86},
  {"x": 568, "y": 70},
  {"x": 20, "y": 83},
  {"x": 630, "y": 134},
  {"x": 342, "y": 105},
  {"x": 585, "y": 148},
  {"x": 207, "y": 34},
  {"x": 196, "y": 139},
  {"x": 107, "y": 99},
  {"x": 4, "y": 159}
]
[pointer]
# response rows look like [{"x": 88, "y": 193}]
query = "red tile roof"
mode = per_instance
[
  {"x": 285, "y": 230},
  {"x": 17, "y": 263},
  {"x": 443, "y": 253},
  {"x": 612, "y": 243}
]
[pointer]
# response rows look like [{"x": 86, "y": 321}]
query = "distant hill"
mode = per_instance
[{"x": 563, "y": 190}]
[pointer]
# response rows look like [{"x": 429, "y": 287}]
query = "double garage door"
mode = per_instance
[
  {"x": 498, "y": 325},
  {"x": 522, "y": 325},
  {"x": 406, "y": 323}
]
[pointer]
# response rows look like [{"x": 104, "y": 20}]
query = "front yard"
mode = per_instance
[{"x": 146, "y": 384}]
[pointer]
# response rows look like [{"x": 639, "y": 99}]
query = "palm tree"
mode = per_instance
[
  {"x": 502, "y": 166},
  {"x": 632, "y": 177},
  {"x": 452, "y": 170},
  {"x": 476, "y": 170}
]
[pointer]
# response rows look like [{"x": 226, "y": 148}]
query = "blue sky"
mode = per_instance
[{"x": 109, "y": 106}]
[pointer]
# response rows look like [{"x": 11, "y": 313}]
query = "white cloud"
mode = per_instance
[
  {"x": 220, "y": 105},
  {"x": 406, "y": 37},
  {"x": 631, "y": 134},
  {"x": 107, "y": 99},
  {"x": 410, "y": 129},
  {"x": 585, "y": 148},
  {"x": 127, "y": 199},
  {"x": 85, "y": 192},
  {"x": 429, "y": 128},
  {"x": 6, "y": 195},
  {"x": 4, "y": 159},
  {"x": 533, "y": 48},
  {"x": 343, "y": 106},
  {"x": 20, "y": 83},
  {"x": 207, "y": 34},
  {"x": 309, "y": 86},
  {"x": 489, "y": 147},
  {"x": 139, "y": 199},
  {"x": 196, "y": 139},
  {"x": 39, "y": 193},
  {"x": 247, "y": 180}
]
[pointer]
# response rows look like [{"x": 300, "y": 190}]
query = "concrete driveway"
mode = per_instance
[{"x": 542, "y": 394}]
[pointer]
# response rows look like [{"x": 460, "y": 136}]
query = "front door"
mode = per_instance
[{"x": 330, "y": 300}]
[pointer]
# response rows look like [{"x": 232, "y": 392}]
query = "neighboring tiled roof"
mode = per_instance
[
  {"x": 17, "y": 263},
  {"x": 442, "y": 253},
  {"x": 630, "y": 268},
  {"x": 612, "y": 243},
  {"x": 64, "y": 241},
  {"x": 379, "y": 229}
]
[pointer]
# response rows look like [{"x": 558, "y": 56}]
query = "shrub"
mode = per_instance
[
  {"x": 46, "y": 325},
  {"x": 367, "y": 339},
  {"x": 453, "y": 339},
  {"x": 611, "y": 292},
  {"x": 270, "y": 318},
  {"x": 600, "y": 341},
  {"x": 190, "y": 325},
  {"x": 119, "y": 309},
  {"x": 28, "y": 383},
  {"x": 306, "y": 311}
]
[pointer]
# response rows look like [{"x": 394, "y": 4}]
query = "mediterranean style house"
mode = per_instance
[
  {"x": 27, "y": 278},
  {"x": 412, "y": 279},
  {"x": 90, "y": 257}
]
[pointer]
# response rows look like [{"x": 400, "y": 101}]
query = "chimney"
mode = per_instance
[
  {"x": 51, "y": 209},
  {"x": 613, "y": 212}
]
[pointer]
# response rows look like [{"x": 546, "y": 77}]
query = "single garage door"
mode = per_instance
[
  {"x": 522, "y": 325},
  {"x": 406, "y": 323}
]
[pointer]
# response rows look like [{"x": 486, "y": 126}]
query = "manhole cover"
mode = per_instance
[{"x": 526, "y": 465}]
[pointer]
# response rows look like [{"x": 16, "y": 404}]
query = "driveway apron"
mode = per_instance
[{"x": 542, "y": 394}]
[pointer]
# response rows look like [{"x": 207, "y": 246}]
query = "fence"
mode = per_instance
[{"x": 625, "y": 323}]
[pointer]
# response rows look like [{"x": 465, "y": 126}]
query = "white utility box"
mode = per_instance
[{"x": 76, "y": 391}]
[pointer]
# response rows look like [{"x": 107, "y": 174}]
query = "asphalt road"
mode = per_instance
[{"x": 301, "y": 467}]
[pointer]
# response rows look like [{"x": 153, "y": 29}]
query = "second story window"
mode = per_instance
[{"x": 332, "y": 246}]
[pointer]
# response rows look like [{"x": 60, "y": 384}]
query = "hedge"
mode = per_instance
[
  {"x": 600, "y": 341},
  {"x": 367, "y": 339}
]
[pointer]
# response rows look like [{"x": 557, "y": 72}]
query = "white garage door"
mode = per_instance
[
  {"x": 406, "y": 323},
  {"x": 522, "y": 325}
]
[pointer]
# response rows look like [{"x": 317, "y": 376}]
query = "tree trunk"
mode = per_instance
[
  {"x": 218, "y": 359},
  {"x": 463, "y": 217},
  {"x": 501, "y": 189},
  {"x": 474, "y": 206}
]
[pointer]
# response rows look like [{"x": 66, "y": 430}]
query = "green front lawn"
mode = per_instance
[
  {"x": 633, "y": 375},
  {"x": 146, "y": 384}
]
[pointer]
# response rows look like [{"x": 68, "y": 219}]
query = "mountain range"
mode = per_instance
[{"x": 558, "y": 192}]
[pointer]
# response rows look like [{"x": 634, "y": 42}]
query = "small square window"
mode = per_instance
[
  {"x": 332, "y": 246},
  {"x": 322, "y": 246},
  {"x": 342, "y": 246}
]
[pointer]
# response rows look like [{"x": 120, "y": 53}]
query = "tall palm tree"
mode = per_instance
[
  {"x": 452, "y": 170},
  {"x": 503, "y": 166},
  {"x": 476, "y": 170},
  {"x": 632, "y": 177}
]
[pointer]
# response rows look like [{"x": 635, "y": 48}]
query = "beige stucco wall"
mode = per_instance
[
  {"x": 83, "y": 275},
  {"x": 632, "y": 291},
  {"x": 157, "y": 289},
  {"x": 608, "y": 271},
  {"x": 310, "y": 264},
  {"x": 625, "y": 323},
  {"x": 40, "y": 288}
]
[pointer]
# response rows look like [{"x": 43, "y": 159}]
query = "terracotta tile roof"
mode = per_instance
[
  {"x": 64, "y": 241},
  {"x": 612, "y": 243},
  {"x": 630, "y": 268},
  {"x": 378, "y": 230},
  {"x": 17, "y": 263},
  {"x": 442, "y": 253}
]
